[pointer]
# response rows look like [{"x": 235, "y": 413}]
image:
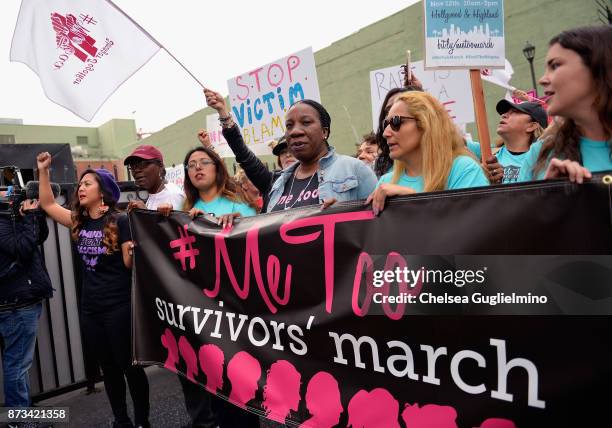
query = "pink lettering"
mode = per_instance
[
  {"x": 280, "y": 79},
  {"x": 292, "y": 63},
  {"x": 256, "y": 74},
  {"x": 328, "y": 222}
]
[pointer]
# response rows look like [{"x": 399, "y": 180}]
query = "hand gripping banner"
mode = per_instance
[{"x": 481, "y": 308}]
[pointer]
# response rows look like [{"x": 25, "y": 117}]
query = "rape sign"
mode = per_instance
[
  {"x": 451, "y": 87},
  {"x": 260, "y": 98}
]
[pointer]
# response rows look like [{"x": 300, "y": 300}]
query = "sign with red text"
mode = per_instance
[
  {"x": 215, "y": 133},
  {"x": 451, "y": 87},
  {"x": 260, "y": 98},
  {"x": 342, "y": 318},
  {"x": 82, "y": 51}
]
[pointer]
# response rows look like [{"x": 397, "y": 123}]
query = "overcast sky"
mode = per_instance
[{"x": 215, "y": 40}]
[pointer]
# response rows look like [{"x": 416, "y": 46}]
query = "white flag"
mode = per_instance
[
  {"x": 499, "y": 77},
  {"x": 82, "y": 51}
]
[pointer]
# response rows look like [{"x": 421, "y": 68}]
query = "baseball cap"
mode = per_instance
[
  {"x": 144, "y": 152},
  {"x": 535, "y": 110},
  {"x": 278, "y": 146}
]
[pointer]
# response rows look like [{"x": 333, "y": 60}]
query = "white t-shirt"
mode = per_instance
[{"x": 170, "y": 194}]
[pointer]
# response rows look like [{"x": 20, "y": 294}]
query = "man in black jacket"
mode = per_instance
[{"x": 24, "y": 284}]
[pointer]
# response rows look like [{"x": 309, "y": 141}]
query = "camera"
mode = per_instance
[{"x": 13, "y": 192}]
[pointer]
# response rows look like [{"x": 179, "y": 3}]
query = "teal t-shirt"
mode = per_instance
[
  {"x": 513, "y": 164},
  {"x": 465, "y": 172},
  {"x": 221, "y": 205},
  {"x": 474, "y": 147},
  {"x": 595, "y": 157}
]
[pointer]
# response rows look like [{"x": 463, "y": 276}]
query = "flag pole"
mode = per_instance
[{"x": 154, "y": 40}]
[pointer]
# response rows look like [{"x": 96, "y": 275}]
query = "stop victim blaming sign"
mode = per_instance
[
  {"x": 451, "y": 87},
  {"x": 261, "y": 97}
]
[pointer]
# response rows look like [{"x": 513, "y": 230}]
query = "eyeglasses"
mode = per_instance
[
  {"x": 396, "y": 122},
  {"x": 203, "y": 163}
]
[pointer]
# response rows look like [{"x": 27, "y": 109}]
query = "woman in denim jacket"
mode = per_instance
[{"x": 321, "y": 175}]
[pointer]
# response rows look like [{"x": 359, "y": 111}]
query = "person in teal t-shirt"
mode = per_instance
[
  {"x": 520, "y": 125},
  {"x": 577, "y": 81},
  {"x": 428, "y": 153},
  {"x": 209, "y": 189}
]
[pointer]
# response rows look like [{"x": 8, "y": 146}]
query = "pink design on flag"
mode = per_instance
[{"x": 70, "y": 33}]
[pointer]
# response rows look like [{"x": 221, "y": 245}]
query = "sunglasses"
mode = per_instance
[
  {"x": 141, "y": 164},
  {"x": 396, "y": 122}
]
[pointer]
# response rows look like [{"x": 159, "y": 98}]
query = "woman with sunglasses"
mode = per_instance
[
  {"x": 428, "y": 153},
  {"x": 578, "y": 82},
  {"x": 209, "y": 189},
  {"x": 321, "y": 175}
]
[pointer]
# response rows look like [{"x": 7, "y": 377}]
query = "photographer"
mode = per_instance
[{"x": 24, "y": 283}]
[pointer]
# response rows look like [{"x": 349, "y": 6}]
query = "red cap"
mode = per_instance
[{"x": 144, "y": 152}]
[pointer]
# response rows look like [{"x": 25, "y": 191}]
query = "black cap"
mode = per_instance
[
  {"x": 279, "y": 146},
  {"x": 535, "y": 110}
]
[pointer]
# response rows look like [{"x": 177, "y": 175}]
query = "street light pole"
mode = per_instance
[{"x": 529, "y": 52}]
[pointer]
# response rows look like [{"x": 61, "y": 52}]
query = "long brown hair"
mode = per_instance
[
  {"x": 79, "y": 215},
  {"x": 226, "y": 185},
  {"x": 594, "y": 45}
]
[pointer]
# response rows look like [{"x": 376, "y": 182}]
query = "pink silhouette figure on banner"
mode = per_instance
[
  {"x": 429, "y": 416},
  {"x": 211, "y": 362},
  {"x": 169, "y": 342},
  {"x": 497, "y": 423},
  {"x": 282, "y": 391},
  {"x": 72, "y": 37},
  {"x": 243, "y": 372},
  {"x": 189, "y": 356},
  {"x": 323, "y": 401},
  {"x": 374, "y": 409}
]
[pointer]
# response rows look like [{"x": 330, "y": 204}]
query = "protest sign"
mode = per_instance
[
  {"x": 451, "y": 87},
  {"x": 464, "y": 33},
  {"x": 302, "y": 315},
  {"x": 261, "y": 97},
  {"x": 176, "y": 175},
  {"x": 213, "y": 127}
]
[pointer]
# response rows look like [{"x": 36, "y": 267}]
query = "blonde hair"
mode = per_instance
[{"x": 440, "y": 141}]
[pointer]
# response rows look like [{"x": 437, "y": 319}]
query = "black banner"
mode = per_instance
[{"x": 480, "y": 308}]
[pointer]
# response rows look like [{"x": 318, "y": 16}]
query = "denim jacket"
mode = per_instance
[{"x": 341, "y": 177}]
